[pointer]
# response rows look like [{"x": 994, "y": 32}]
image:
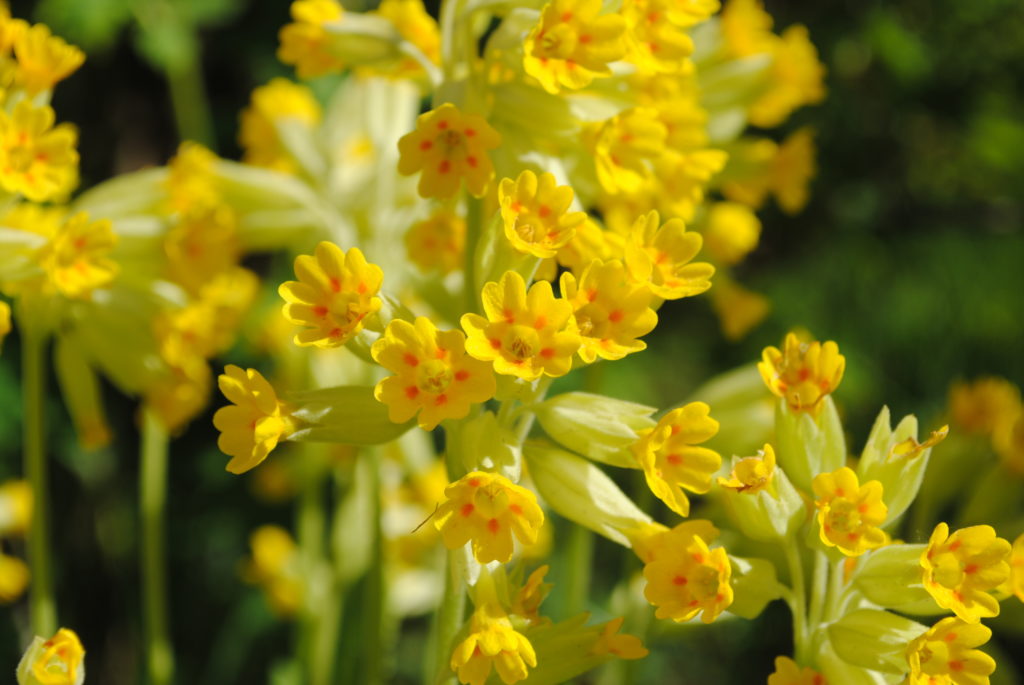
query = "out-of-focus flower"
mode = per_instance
[
  {"x": 783, "y": 170},
  {"x": 438, "y": 242},
  {"x": 622, "y": 645},
  {"x": 5, "y": 321},
  {"x": 947, "y": 654},
  {"x": 44, "y": 59},
  {"x": 37, "y": 159},
  {"x": 739, "y": 310},
  {"x": 304, "y": 42},
  {"x": 731, "y": 231},
  {"x": 15, "y": 507},
  {"x": 59, "y": 660},
  {"x": 252, "y": 425},
  {"x": 535, "y": 211},
  {"x": 797, "y": 79},
  {"x": 273, "y": 566},
  {"x": 981, "y": 405},
  {"x": 802, "y": 373},
  {"x": 961, "y": 570},
  {"x": 14, "y": 578},
  {"x": 280, "y": 101},
  {"x": 625, "y": 147},
  {"x": 788, "y": 672},
  {"x": 417, "y": 27},
  {"x": 849, "y": 514}
]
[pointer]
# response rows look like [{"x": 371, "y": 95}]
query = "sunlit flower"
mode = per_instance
[
  {"x": 661, "y": 257},
  {"x": 44, "y": 59},
  {"x": 946, "y": 655},
  {"x": 686, "y": 578},
  {"x": 655, "y": 42},
  {"x": 1015, "y": 584},
  {"x": 180, "y": 393},
  {"x": 788, "y": 672},
  {"x": 417, "y": 27},
  {"x": 785, "y": 170},
  {"x": 626, "y": 146},
  {"x": 37, "y": 159},
  {"x": 747, "y": 28},
  {"x": 684, "y": 178},
  {"x": 731, "y": 231},
  {"x": 621, "y": 645},
  {"x": 304, "y": 41},
  {"x": 961, "y": 570},
  {"x": 849, "y": 514},
  {"x": 57, "y": 661},
  {"x": 191, "y": 184},
  {"x": 535, "y": 212},
  {"x": 438, "y": 242},
  {"x": 280, "y": 101},
  {"x": 981, "y": 405},
  {"x": 751, "y": 475},
  {"x": 802, "y": 373},
  {"x": 492, "y": 644},
  {"x": 252, "y": 425},
  {"x": 797, "y": 79}
]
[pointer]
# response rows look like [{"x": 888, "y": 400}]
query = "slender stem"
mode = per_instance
[
  {"x": 152, "y": 503},
  {"x": 374, "y": 610},
  {"x": 474, "y": 216},
  {"x": 580, "y": 554},
  {"x": 835, "y": 591},
  {"x": 42, "y": 603},
  {"x": 799, "y": 603},
  {"x": 819, "y": 589},
  {"x": 190, "y": 105},
  {"x": 450, "y": 616},
  {"x": 311, "y": 540}
]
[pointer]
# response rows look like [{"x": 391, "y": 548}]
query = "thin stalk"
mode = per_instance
[
  {"x": 311, "y": 540},
  {"x": 474, "y": 217},
  {"x": 42, "y": 605},
  {"x": 819, "y": 590},
  {"x": 835, "y": 591},
  {"x": 373, "y": 614},
  {"x": 189, "y": 102},
  {"x": 450, "y": 616},
  {"x": 580, "y": 554},
  {"x": 799, "y": 601},
  {"x": 152, "y": 507}
]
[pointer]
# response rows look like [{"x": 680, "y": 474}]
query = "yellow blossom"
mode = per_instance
[
  {"x": 525, "y": 334},
  {"x": 946, "y": 655},
  {"x": 961, "y": 570},
  {"x": 492, "y": 644},
  {"x": 304, "y": 41},
  {"x": 784, "y": 170},
  {"x": 273, "y": 566},
  {"x": 15, "y": 507},
  {"x": 677, "y": 103},
  {"x": 10, "y": 29},
  {"x": 654, "y": 41},
  {"x": 660, "y": 257},
  {"x": 278, "y": 101},
  {"x": 335, "y": 292},
  {"x": 911, "y": 449},
  {"x": 686, "y": 578},
  {"x": 202, "y": 244},
  {"x": 447, "y": 147},
  {"x": 849, "y": 514},
  {"x": 751, "y": 475},
  {"x": 37, "y": 159},
  {"x": 739, "y": 310},
  {"x": 528, "y": 598},
  {"x": 44, "y": 59},
  {"x": 252, "y": 425},
  {"x": 590, "y": 242},
  {"x": 191, "y": 185},
  {"x": 75, "y": 259},
  {"x": 747, "y": 28},
  {"x": 487, "y": 509},
  {"x": 610, "y": 309},
  {"x": 797, "y": 79},
  {"x": 417, "y": 27},
  {"x": 981, "y": 405},
  {"x": 572, "y": 44},
  {"x": 1015, "y": 584},
  {"x": 671, "y": 459},
  {"x": 178, "y": 395},
  {"x": 622, "y": 645},
  {"x": 14, "y": 578},
  {"x": 535, "y": 212},
  {"x": 433, "y": 375},
  {"x": 684, "y": 178},
  {"x": 686, "y": 13},
  {"x": 625, "y": 147},
  {"x": 731, "y": 231},
  {"x": 788, "y": 672},
  {"x": 57, "y": 661},
  {"x": 5, "y": 321},
  {"x": 802, "y": 373},
  {"x": 438, "y": 242}
]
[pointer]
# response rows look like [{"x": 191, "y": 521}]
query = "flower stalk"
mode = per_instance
[{"x": 159, "y": 657}]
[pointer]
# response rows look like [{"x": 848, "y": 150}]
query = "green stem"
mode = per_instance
[
  {"x": 835, "y": 591},
  {"x": 450, "y": 617},
  {"x": 474, "y": 215},
  {"x": 819, "y": 590},
  {"x": 152, "y": 503},
  {"x": 799, "y": 604},
  {"x": 580, "y": 555},
  {"x": 311, "y": 540},
  {"x": 42, "y": 604},
  {"x": 374, "y": 610},
  {"x": 190, "y": 105}
]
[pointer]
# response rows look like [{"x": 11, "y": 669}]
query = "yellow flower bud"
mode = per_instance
[{"x": 57, "y": 661}]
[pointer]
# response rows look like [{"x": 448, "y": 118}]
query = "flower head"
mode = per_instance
[
  {"x": 946, "y": 655},
  {"x": 44, "y": 59},
  {"x": 732, "y": 230},
  {"x": 802, "y": 373},
  {"x": 433, "y": 375},
  {"x": 278, "y": 101},
  {"x": 751, "y": 475},
  {"x": 304, "y": 41},
  {"x": 492, "y": 644},
  {"x": 415, "y": 25},
  {"x": 57, "y": 661},
  {"x": 747, "y": 28},
  {"x": 625, "y": 147},
  {"x": 622, "y": 645},
  {"x": 849, "y": 514},
  {"x": 536, "y": 213},
  {"x": 684, "y": 178},
  {"x": 487, "y": 509},
  {"x": 252, "y": 425},
  {"x": 191, "y": 182},
  {"x": 797, "y": 79},
  {"x": 656, "y": 41},
  {"x": 525, "y": 334},
  {"x": 75, "y": 259},
  {"x": 438, "y": 242},
  {"x": 335, "y": 293},
  {"x": 447, "y": 147},
  {"x": 661, "y": 257},
  {"x": 202, "y": 244},
  {"x": 37, "y": 159},
  {"x": 788, "y": 672},
  {"x": 981, "y": 405},
  {"x": 961, "y": 570},
  {"x": 686, "y": 578},
  {"x": 671, "y": 458}
]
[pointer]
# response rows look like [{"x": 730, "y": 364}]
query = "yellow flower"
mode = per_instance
[
  {"x": 648, "y": 538},
  {"x": 202, "y": 244},
  {"x": 1015, "y": 584},
  {"x": 589, "y": 243},
  {"x": 304, "y": 41},
  {"x": 448, "y": 146},
  {"x": 75, "y": 259},
  {"x": 731, "y": 231},
  {"x": 438, "y": 242},
  {"x": 335, "y": 292},
  {"x": 529, "y": 597},
  {"x": 981, "y": 405},
  {"x": 611, "y": 311},
  {"x": 849, "y": 514},
  {"x": 677, "y": 103},
  {"x": 10, "y": 30},
  {"x": 14, "y": 578},
  {"x": 684, "y": 178},
  {"x": 44, "y": 59},
  {"x": 686, "y": 578},
  {"x": 15, "y": 508},
  {"x": 655, "y": 42},
  {"x": 751, "y": 475},
  {"x": 487, "y": 509},
  {"x": 274, "y": 567},
  {"x": 571, "y": 44},
  {"x": 252, "y": 425},
  {"x": 624, "y": 148},
  {"x": 191, "y": 185},
  {"x": 5, "y": 321},
  {"x": 671, "y": 459},
  {"x": 660, "y": 257},
  {"x": 57, "y": 661},
  {"x": 802, "y": 373},
  {"x": 536, "y": 213},
  {"x": 623, "y": 646},
  {"x": 492, "y": 644},
  {"x": 525, "y": 334},
  {"x": 278, "y": 101},
  {"x": 417, "y": 27},
  {"x": 179, "y": 394},
  {"x": 946, "y": 655},
  {"x": 433, "y": 375},
  {"x": 739, "y": 310},
  {"x": 686, "y": 13},
  {"x": 783, "y": 170},
  {"x": 797, "y": 79},
  {"x": 961, "y": 570},
  {"x": 747, "y": 28},
  {"x": 788, "y": 672},
  {"x": 37, "y": 159},
  {"x": 911, "y": 449}
]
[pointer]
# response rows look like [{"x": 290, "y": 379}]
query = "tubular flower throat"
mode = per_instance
[
  {"x": 433, "y": 375},
  {"x": 447, "y": 147},
  {"x": 961, "y": 570},
  {"x": 946, "y": 655},
  {"x": 57, "y": 661},
  {"x": 492, "y": 644},
  {"x": 849, "y": 514},
  {"x": 252, "y": 425},
  {"x": 280, "y": 101},
  {"x": 487, "y": 509},
  {"x": 571, "y": 45},
  {"x": 524, "y": 334},
  {"x": 535, "y": 212},
  {"x": 751, "y": 475},
  {"x": 661, "y": 258},
  {"x": 671, "y": 459},
  {"x": 44, "y": 59},
  {"x": 802, "y": 373},
  {"x": 335, "y": 293},
  {"x": 438, "y": 242},
  {"x": 685, "y": 578},
  {"x": 611, "y": 311},
  {"x": 37, "y": 159},
  {"x": 304, "y": 42}
]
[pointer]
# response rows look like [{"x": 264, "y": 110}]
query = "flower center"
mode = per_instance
[
  {"x": 522, "y": 342},
  {"x": 558, "y": 42},
  {"x": 433, "y": 376}
]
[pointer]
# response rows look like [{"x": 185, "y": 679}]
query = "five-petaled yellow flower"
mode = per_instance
[
  {"x": 802, "y": 373},
  {"x": 335, "y": 293},
  {"x": 535, "y": 212},
  {"x": 37, "y": 159},
  {"x": 961, "y": 570},
  {"x": 75, "y": 258},
  {"x": 671, "y": 459},
  {"x": 525, "y": 334},
  {"x": 252, "y": 425},
  {"x": 447, "y": 147},
  {"x": 751, "y": 475},
  {"x": 946, "y": 655},
  {"x": 849, "y": 514},
  {"x": 433, "y": 374},
  {"x": 660, "y": 257},
  {"x": 686, "y": 578},
  {"x": 487, "y": 509},
  {"x": 492, "y": 644},
  {"x": 788, "y": 672},
  {"x": 59, "y": 660}
]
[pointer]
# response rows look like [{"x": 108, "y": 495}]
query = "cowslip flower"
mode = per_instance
[
  {"x": 44, "y": 59},
  {"x": 802, "y": 373},
  {"x": 731, "y": 231},
  {"x": 274, "y": 566},
  {"x": 686, "y": 578},
  {"x": 335, "y": 293},
  {"x": 59, "y": 660},
  {"x": 535, "y": 213},
  {"x": 433, "y": 375},
  {"x": 487, "y": 510},
  {"x": 304, "y": 41},
  {"x": 611, "y": 310},
  {"x": 946, "y": 655},
  {"x": 412, "y": 21},
  {"x": 983, "y": 404},
  {"x": 572, "y": 44},
  {"x": 751, "y": 475},
  {"x": 74, "y": 260},
  {"x": 684, "y": 178},
  {"x": 492, "y": 644},
  {"x": 191, "y": 183},
  {"x": 739, "y": 309},
  {"x": 278, "y": 101},
  {"x": 14, "y": 578},
  {"x": 961, "y": 570},
  {"x": 660, "y": 256},
  {"x": 788, "y": 672},
  {"x": 525, "y": 334},
  {"x": 655, "y": 43},
  {"x": 849, "y": 514},
  {"x": 621, "y": 645},
  {"x": 15, "y": 507},
  {"x": 438, "y": 242},
  {"x": 625, "y": 147},
  {"x": 797, "y": 78},
  {"x": 1008, "y": 442},
  {"x": 447, "y": 147},
  {"x": 671, "y": 458},
  {"x": 252, "y": 425},
  {"x": 202, "y": 244},
  {"x": 784, "y": 170},
  {"x": 747, "y": 28},
  {"x": 1015, "y": 583},
  {"x": 37, "y": 159}
]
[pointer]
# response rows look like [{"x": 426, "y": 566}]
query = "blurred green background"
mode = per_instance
[{"x": 910, "y": 255}]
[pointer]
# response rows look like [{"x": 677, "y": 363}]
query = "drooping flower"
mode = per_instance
[
  {"x": 655, "y": 42},
  {"x": 44, "y": 59},
  {"x": 304, "y": 41},
  {"x": 255, "y": 421},
  {"x": 660, "y": 256},
  {"x": 535, "y": 212},
  {"x": 961, "y": 570},
  {"x": 492, "y": 644},
  {"x": 797, "y": 79},
  {"x": 802, "y": 373},
  {"x": 686, "y": 578},
  {"x": 433, "y": 375},
  {"x": 946, "y": 655},
  {"x": 59, "y": 660},
  {"x": 731, "y": 231},
  {"x": 622, "y": 645},
  {"x": 684, "y": 178},
  {"x": 671, "y": 458},
  {"x": 788, "y": 672},
  {"x": 438, "y": 242},
  {"x": 37, "y": 159},
  {"x": 849, "y": 514},
  {"x": 751, "y": 475},
  {"x": 280, "y": 101},
  {"x": 487, "y": 509},
  {"x": 335, "y": 293}
]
